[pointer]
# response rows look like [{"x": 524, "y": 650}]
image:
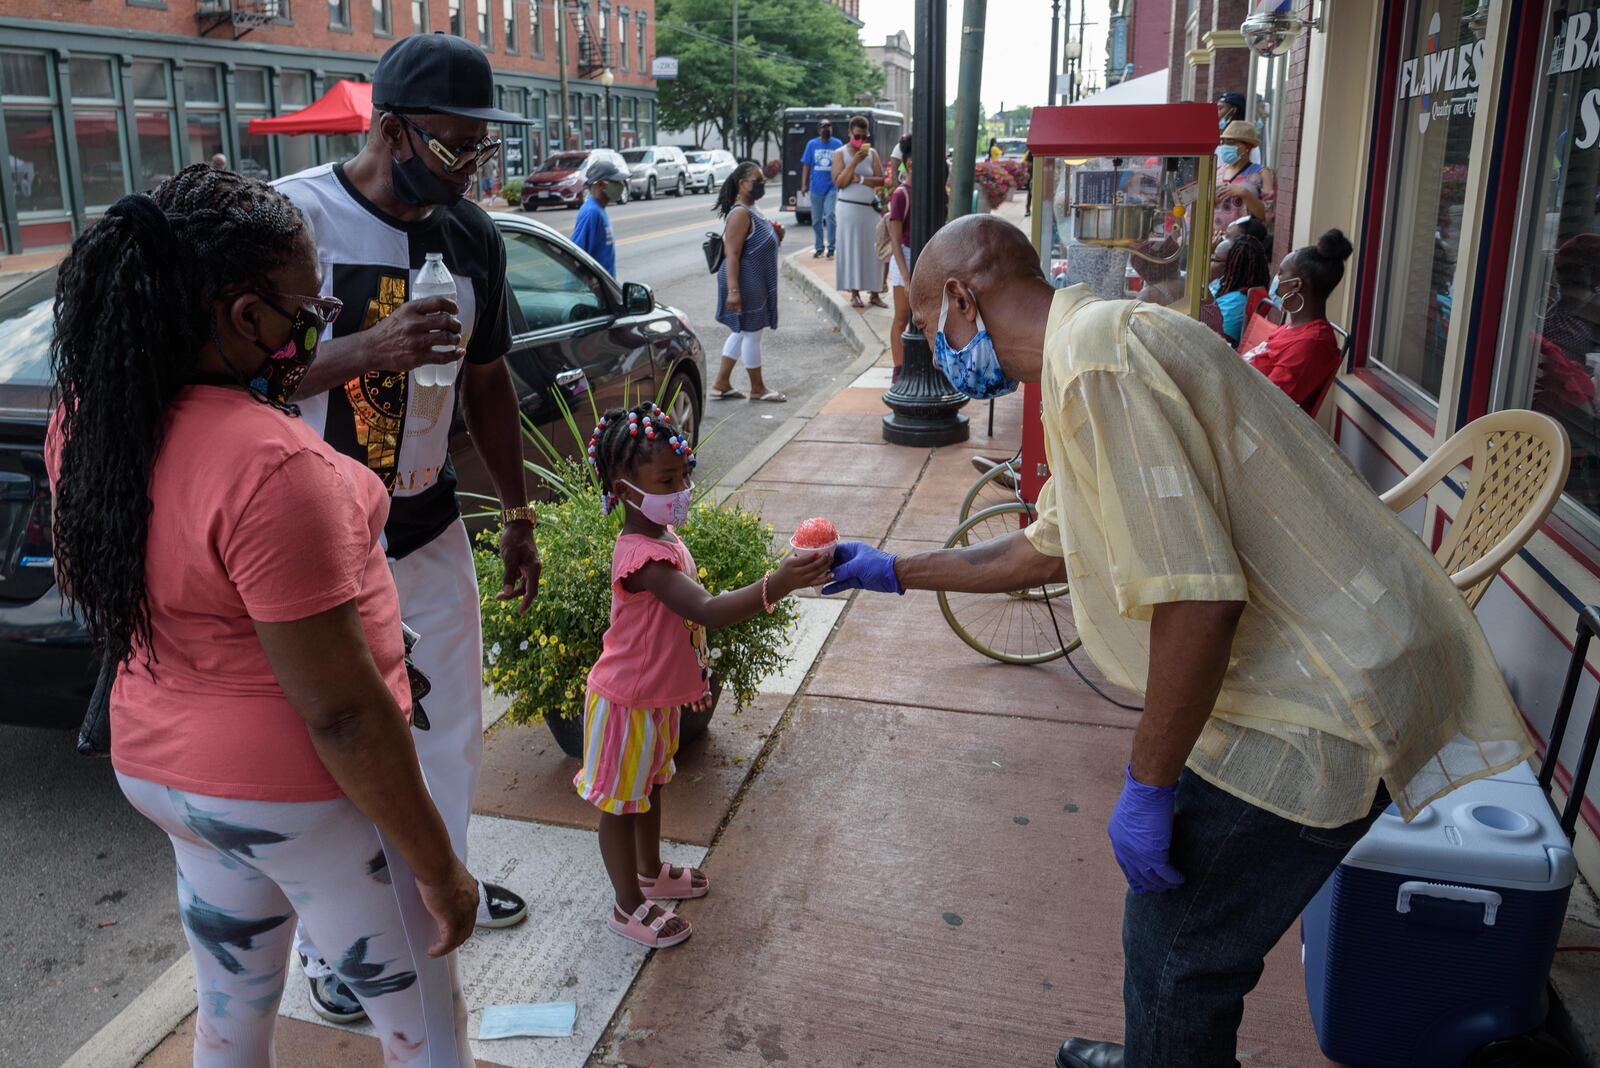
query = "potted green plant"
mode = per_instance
[
  {"x": 512, "y": 191},
  {"x": 542, "y": 659}
]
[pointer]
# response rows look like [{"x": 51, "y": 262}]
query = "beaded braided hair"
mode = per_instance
[{"x": 622, "y": 435}]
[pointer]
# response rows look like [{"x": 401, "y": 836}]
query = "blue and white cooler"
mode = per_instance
[{"x": 1435, "y": 937}]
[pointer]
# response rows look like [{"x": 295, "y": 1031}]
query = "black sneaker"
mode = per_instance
[
  {"x": 817, "y": 255},
  {"x": 830, "y": 253},
  {"x": 499, "y": 907},
  {"x": 332, "y": 1000}
]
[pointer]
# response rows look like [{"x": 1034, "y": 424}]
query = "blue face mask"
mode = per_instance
[
  {"x": 1228, "y": 155},
  {"x": 974, "y": 368}
]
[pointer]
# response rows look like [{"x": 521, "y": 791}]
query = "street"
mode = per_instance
[
  {"x": 658, "y": 243},
  {"x": 91, "y": 916}
]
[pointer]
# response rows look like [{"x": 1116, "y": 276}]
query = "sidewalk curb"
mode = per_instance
[
  {"x": 144, "y": 1023},
  {"x": 844, "y": 317}
]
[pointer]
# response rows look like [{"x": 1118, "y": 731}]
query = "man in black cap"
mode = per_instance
[{"x": 376, "y": 218}]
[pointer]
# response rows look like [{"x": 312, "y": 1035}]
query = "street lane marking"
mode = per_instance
[{"x": 653, "y": 234}]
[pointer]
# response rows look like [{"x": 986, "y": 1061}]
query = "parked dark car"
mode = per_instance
[
  {"x": 558, "y": 183},
  {"x": 577, "y": 332}
]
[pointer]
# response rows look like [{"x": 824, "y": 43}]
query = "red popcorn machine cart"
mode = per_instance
[{"x": 1123, "y": 201}]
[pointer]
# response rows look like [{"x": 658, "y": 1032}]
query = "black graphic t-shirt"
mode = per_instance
[{"x": 399, "y": 429}]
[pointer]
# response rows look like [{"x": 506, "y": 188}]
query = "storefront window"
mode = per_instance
[
  {"x": 25, "y": 74},
  {"x": 250, "y": 86},
  {"x": 294, "y": 90},
  {"x": 97, "y": 129},
  {"x": 202, "y": 84},
  {"x": 1442, "y": 63},
  {"x": 1554, "y": 344},
  {"x": 156, "y": 163},
  {"x": 35, "y": 161},
  {"x": 92, "y": 79},
  {"x": 205, "y": 136},
  {"x": 150, "y": 81}
]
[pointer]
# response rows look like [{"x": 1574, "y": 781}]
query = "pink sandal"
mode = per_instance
[
  {"x": 666, "y": 887},
  {"x": 648, "y": 934}
]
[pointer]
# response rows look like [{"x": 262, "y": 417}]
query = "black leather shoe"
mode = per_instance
[{"x": 1082, "y": 1053}]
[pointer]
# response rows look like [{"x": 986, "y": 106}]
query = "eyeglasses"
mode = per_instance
[
  {"x": 325, "y": 308},
  {"x": 460, "y": 159}
]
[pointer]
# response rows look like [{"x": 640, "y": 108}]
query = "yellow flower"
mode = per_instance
[
  {"x": 702, "y": 572},
  {"x": 544, "y": 639}
]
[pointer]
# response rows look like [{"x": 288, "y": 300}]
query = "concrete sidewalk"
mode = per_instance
[{"x": 906, "y": 840}]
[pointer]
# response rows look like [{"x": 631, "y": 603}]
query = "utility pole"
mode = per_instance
[
  {"x": 1055, "y": 34},
  {"x": 561, "y": 61},
  {"x": 1066, "y": 52},
  {"x": 1077, "y": 64},
  {"x": 967, "y": 105},
  {"x": 925, "y": 409},
  {"x": 735, "y": 44}
]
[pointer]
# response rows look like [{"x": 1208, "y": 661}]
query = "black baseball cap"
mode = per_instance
[{"x": 439, "y": 73}]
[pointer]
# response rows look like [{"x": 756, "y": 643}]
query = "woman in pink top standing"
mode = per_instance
[
  {"x": 227, "y": 561},
  {"x": 653, "y": 662}
]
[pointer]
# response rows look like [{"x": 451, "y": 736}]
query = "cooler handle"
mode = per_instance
[{"x": 1469, "y": 894}]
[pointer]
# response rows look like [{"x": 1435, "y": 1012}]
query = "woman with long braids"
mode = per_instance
[
  {"x": 1244, "y": 267},
  {"x": 228, "y": 562},
  {"x": 747, "y": 282}
]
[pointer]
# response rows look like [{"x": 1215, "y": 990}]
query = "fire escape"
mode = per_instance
[
  {"x": 242, "y": 16},
  {"x": 594, "y": 51}
]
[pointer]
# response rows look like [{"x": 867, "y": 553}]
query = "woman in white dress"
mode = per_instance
[{"x": 858, "y": 175}]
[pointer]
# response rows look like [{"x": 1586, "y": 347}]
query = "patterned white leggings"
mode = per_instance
[{"x": 245, "y": 868}]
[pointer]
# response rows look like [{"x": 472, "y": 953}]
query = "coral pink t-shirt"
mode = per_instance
[
  {"x": 652, "y": 657},
  {"x": 254, "y": 518}
]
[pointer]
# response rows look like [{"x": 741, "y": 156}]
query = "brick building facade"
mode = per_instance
[{"x": 99, "y": 98}]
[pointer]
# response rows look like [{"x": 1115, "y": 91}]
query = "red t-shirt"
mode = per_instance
[
  {"x": 255, "y": 517},
  {"x": 900, "y": 211},
  {"x": 1300, "y": 360},
  {"x": 652, "y": 657}
]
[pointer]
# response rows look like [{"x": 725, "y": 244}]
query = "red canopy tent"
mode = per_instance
[{"x": 344, "y": 109}]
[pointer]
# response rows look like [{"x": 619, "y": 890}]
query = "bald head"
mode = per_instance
[{"x": 982, "y": 262}]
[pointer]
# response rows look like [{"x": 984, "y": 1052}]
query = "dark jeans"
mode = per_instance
[{"x": 1192, "y": 954}]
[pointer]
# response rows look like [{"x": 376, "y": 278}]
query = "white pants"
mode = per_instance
[
  {"x": 246, "y": 867},
  {"x": 744, "y": 346},
  {"x": 439, "y": 600}
]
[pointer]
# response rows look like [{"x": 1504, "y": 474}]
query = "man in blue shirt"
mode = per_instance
[
  {"x": 592, "y": 230},
  {"x": 816, "y": 175}
]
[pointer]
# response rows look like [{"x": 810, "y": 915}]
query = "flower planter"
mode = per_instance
[{"x": 568, "y": 730}]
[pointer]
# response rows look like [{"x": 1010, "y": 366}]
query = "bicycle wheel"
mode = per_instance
[
  {"x": 996, "y": 486},
  {"x": 1013, "y": 628}
]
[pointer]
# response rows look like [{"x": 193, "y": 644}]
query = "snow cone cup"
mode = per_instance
[{"x": 815, "y": 535}]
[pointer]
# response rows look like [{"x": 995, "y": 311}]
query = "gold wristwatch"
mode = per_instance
[{"x": 522, "y": 513}]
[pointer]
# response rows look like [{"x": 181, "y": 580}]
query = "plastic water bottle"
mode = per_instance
[{"x": 434, "y": 280}]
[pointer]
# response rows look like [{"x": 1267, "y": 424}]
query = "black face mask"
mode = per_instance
[
  {"x": 758, "y": 189},
  {"x": 415, "y": 184}
]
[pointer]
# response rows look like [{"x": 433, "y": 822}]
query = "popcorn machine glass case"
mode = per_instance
[{"x": 1123, "y": 199}]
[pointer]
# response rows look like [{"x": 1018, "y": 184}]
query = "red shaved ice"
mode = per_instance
[{"x": 814, "y": 533}]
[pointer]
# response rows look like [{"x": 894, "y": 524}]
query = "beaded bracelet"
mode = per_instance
[{"x": 771, "y": 608}]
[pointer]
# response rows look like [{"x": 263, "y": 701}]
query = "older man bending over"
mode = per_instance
[{"x": 1303, "y": 658}]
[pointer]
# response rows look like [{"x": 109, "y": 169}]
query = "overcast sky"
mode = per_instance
[{"x": 1016, "y": 67}]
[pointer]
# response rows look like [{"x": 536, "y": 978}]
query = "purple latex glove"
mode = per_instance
[
  {"x": 1141, "y": 832},
  {"x": 858, "y": 566}
]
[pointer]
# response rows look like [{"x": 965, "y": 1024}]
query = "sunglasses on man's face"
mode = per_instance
[{"x": 458, "y": 159}]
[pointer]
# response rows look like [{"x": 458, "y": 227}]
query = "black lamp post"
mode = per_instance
[{"x": 925, "y": 407}]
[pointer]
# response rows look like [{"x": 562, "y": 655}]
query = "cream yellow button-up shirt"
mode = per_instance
[{"x": 1181, "y": 474}]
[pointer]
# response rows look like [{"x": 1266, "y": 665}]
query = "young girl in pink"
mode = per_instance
[{"x": 654, "y": 663}]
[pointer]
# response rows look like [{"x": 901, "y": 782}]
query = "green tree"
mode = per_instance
[{"x": 792, "y": 53}]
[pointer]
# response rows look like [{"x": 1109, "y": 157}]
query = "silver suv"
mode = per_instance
[{"x": 657, "y": 168}]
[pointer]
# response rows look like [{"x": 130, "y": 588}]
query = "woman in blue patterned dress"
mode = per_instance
[{"x": 747, "y": 283}]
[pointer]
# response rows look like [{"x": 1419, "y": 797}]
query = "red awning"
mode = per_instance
[{"x": 345, "y": 108}]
